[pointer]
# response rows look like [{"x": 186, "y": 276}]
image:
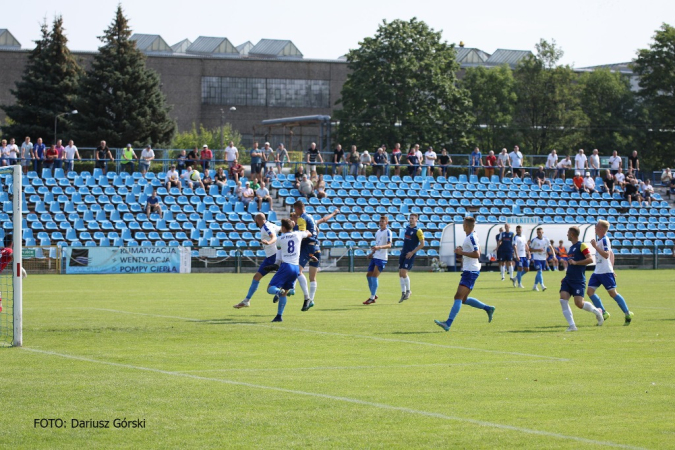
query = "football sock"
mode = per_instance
[
  {"x": 252, "y": 289},
  {"x": 590, "y": 308},
  {"x": 454, "y": 310},
  {"x": 281, "y": 305},
  {"x": 476, "y": 303},
  {"x": 567, "y": 312},
  {"x": 302, "y": 281},
  {"x": 272, "y": 290},
  {"x": 597, "y": 302},
  {"x": 312, "y": 289},
  {"x": 402, "y": 280},
  {"x": 501, "y": 270},
  {"x": 370, "y": 284},
  {"x": 622, "y": 303},
  {"x": 510, "y": 271},
  {"x": 539, "y": 278},
  {"x": 519, "y": 276},
  {"x": 407, "y": 283},
  {"x": 373, "y": 287}
]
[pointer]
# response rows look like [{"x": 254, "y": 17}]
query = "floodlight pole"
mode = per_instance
[{"x": 56, "y": 117}]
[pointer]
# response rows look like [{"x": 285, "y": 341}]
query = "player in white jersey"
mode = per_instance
[
  {"x": 539, "y": 247},
  {"x": 378, "y": 258},
  {"x": 470, "y": 252},
  {"x": 283, "y": 282},
  {"x": 522, "y": 251},
  {"x": 604, "y": 273},
  {"x": 268, "y": 238}
]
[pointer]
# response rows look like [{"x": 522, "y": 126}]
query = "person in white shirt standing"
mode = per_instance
[
  {"x": 429, "y": 161},
  {"x": 580, "y": 161},
  {"x": 69, "y": 154},
  {"x": 604, "y": 273},
  {"x": 378, "y": 258},
  {"x": 147, "y": 155},
  {"x": 26, "y": 154},
  {"x": 283, "y": 282},
  {"x": 594, "y": 163},
  {"x": 231, "y": 154},
  {"x": 470, "y": 252},
  {"x": 551, "y": 164},
  {"x": 522, "y": 251},
  {"x": 539, "y": 246},
  {"x": 516, "y": 158},
  {"x": 614, "y": 162},
  {"x": 503, "y": 161}
]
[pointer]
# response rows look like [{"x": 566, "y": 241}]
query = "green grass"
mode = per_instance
[{"x": 171, "y": 350}]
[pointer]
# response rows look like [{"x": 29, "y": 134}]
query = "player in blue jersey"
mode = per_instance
[
  {"x": 604, "y": 273},
  {"x": 283, "y": 282},
  {"x": 505, "y": 251},
  {"x": 378, "y": 256},
  {"x": 470, "y": 252},
  {"x": 574, "y": 283},
  {"x": 413, "y": 241}
]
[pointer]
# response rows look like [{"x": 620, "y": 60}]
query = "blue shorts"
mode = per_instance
[
  {"x": 602, "y": 279},
  {"x": 468, "y": 279},
  {"x": 539, "y": 265},
  {"x": 379, "y": 263},
  {"x": 286, "y": 276},
  {"x": 523, "y": 262},
  {"x": 575, "y": 288},
  {"x": 505, "y": 255},
  {"x": 305, "y": 251},
  {"x": 404, "y": 263},
  {"x": 562, "y": 258},
  {"x": 270, "y": 260}
]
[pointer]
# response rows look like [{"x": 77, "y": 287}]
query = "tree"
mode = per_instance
[
  {"x": 190, "y": 139},
  {"x": 492, "y": 93},
  {"x": 48, "y": 87},
  {"x": 402, "y": 88},
  {"x": 120, "y": 99},
  {"x": 656, "y": 68},
  {"x": 548, "y": 113}
]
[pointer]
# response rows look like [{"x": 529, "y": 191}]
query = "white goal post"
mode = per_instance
[{"x": 11, "y": 317}]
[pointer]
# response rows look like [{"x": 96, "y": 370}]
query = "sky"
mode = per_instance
[{"x": 589, "y": 32}]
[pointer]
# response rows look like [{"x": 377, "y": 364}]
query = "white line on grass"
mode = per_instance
[
  {"x": 362, "y": 336},
  {"x": 341, "y": 399}
]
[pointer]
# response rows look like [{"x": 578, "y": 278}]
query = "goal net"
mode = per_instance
[{"x": 10, "y": 256}]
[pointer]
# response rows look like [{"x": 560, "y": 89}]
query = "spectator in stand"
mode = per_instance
[
  {"x": 26, "y": 154},
  {"x": 313, "y": 157},
  {"x": 192, "y": 158},
  {"x": 306, "y": 188},
  {"x": 247, "y": 195},
  {"x": 14, "y": 152},
  {"x": 671, "y": 188},
  {"x": 589, "y": 184},
  {"x": 268, "y": 158},
  {"x": 270, "y": 175},
  {"x": 206, "y": 156},
  {"x": 540, "y": 177},
  {"x": 578, "y": 182},
  {"x": 666, "y": 176},
  {"x": 503, "y": 161},
  {"x": 147, "y": 155},
  {"x": 607, "y": 182},
  {"x": 338, "y": 158},
  {"x": 39, "y": 151},
  {"x": 181, "y": 161},
  {"x": 580, "y": 161},
  {"x": 206, "y": 179},
  {"x": 420, "y": 158},
  {"x": 386, "y": 159},
  {"x": 354, "y": 158},
  {"x": 314, "y": 177},
  {"x": 365, "y": 161},
  {"x": 320, "y": 187},
  {"x": 299, "y": 173},
  {"x": 475, "y": 161},
  {"x": 221, "y": 178},
  {"x": 490, "y": 163},
  {"x": 262, "y": 194},
  {"x": 281, "y": 157},
  {"x": 631, "y": 191},
  {"x": 379, "y": 162},
  {"x": 102, "y": 154},
  {"x": 69, "y": 154},
  {"x": 594, "y": 163},
  {"x": 634, "y": 164},
  {"x": 429, "y": 161},
  {"x": 551, "y": 164},
  {"x": 517, "y": 162},
  {"x": 561, "y": 252},
  {"x": 236, "y": 171},
  {"x": 256, "y": 162},
  {"x": 192, "y": 179},
  {"x": 4, "y": 152},
  {"x": 238, "y": 191},
  {"x": 51, "y": 156},
  {"x": 127, "y": 159},
  {"x": 563, "y": 166},
  {"x": 647, "y": 192},
  {"x": 444, "y": 161},
  {"x": 59, "y": 158},
  {"x": 620, "y": 180},
  {"x": 172, "y": 179},
  {"x": 231, "y": 154},
  {"x": 396, "y": 159},
  {"x": 413, "y": 162},
  {"x": 615, "y": 162},
  {"x": 153, "y": 205}
]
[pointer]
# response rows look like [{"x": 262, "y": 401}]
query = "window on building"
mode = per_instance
[{"x": 265, "y": 92}]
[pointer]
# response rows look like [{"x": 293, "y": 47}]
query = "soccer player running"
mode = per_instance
[
  {"x": 268, "y": 238},
  {"x": 413, "y": 241},
  {"x": 574, "y": 283},
  {"x": 522, "y": 251},
  {"x": 470, "y": 252},
  {"x": 539, "y": 246},
  {"x": 505, "y": 251},
  {"x": 378, "y": 258},
  {"x": 604, "y": 273},
  {"x": 283, "y": 282}
]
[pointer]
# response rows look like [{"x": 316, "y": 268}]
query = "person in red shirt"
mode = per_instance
[
  {"x": 578, "y": 181},
  {"x": 6, "y": 257},
  {"x": 207, "y": 156},
  {"x": 51, "y": 156},
  {"x": 237, "y": 171},
  {"x": 490, "y": 163}
]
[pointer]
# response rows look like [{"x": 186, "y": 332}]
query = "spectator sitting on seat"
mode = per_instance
[
  {"x": 563, "y": 166},
  {"x": 551, "y": 163},
  {"x": 262, "y": 194},
  {"x": 607, "y": 182},
  {"x": 620, "y": 180},
  {"x": 180, "y": 161},
  {"x": 666, "y": 176},
  {"x": 221, "y": 178},
  {"x": 299, "y": 173},
  {"x": 247, "y": 194},
  {"x": 153, "y": 206},
  {"x": 320, "y": 187},
  {"x": 589, "y": 184},
  {"x": 238, "y": 191},
  {"x": 578, "y": 182},
  {"x": 365, "y": 161},
  {"x": 647, "y": 191},
  {"x": 236, "y": 170},
  {"x": 192, "y": 178},
  {"x": 306, "y": 187},
  {"x": 270, "y": 175},
  {"x": 540, "y": 177},
  {"x": 255, "y": 185},
  {"x": 314, "y": 177},
  {"x": 172, "y": 179},
  {"x": 192, "y": 157},
  {"x": 671, "y": 188},
  {"x": 207, "y": 180},
  {"x": 631, "y": 193}
]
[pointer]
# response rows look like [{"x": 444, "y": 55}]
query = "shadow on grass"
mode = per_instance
[
  {"x": 549, "y": 329},
  {"x": 230, "y": 321},
  {"x": 411, "y": 332}
]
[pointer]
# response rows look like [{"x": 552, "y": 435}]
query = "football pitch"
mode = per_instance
[{"x": 166, "y": 362}]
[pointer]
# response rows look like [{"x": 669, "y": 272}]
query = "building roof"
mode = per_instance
[
  {"x": 182, "y": 46},
  {"x": 213, "y": 45},
  {"x": 617, "y": 67},
  {"x": 244, "y": 48},
  {"x": 7, "y": 40},
  {"x": 471, "y": 55},
  {"x": 510, "y": 57},
  {"x": 274, "y": 48},
  {"x": 150, "y": 43}
]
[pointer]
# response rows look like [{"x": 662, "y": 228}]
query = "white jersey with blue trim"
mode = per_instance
[
  {"x": 521, "y": 246},
  {"x": 539, "y": 244},
  {"x": 290, "y": 246},
  {"x": 382, "y": 237},
  {"x": 603, "y": 265},
  {"x": 470, "y": 245},
  {"x": 267, "y": 233}
]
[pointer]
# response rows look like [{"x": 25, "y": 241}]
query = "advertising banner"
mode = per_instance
[{"x": 100, "y": 260}]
